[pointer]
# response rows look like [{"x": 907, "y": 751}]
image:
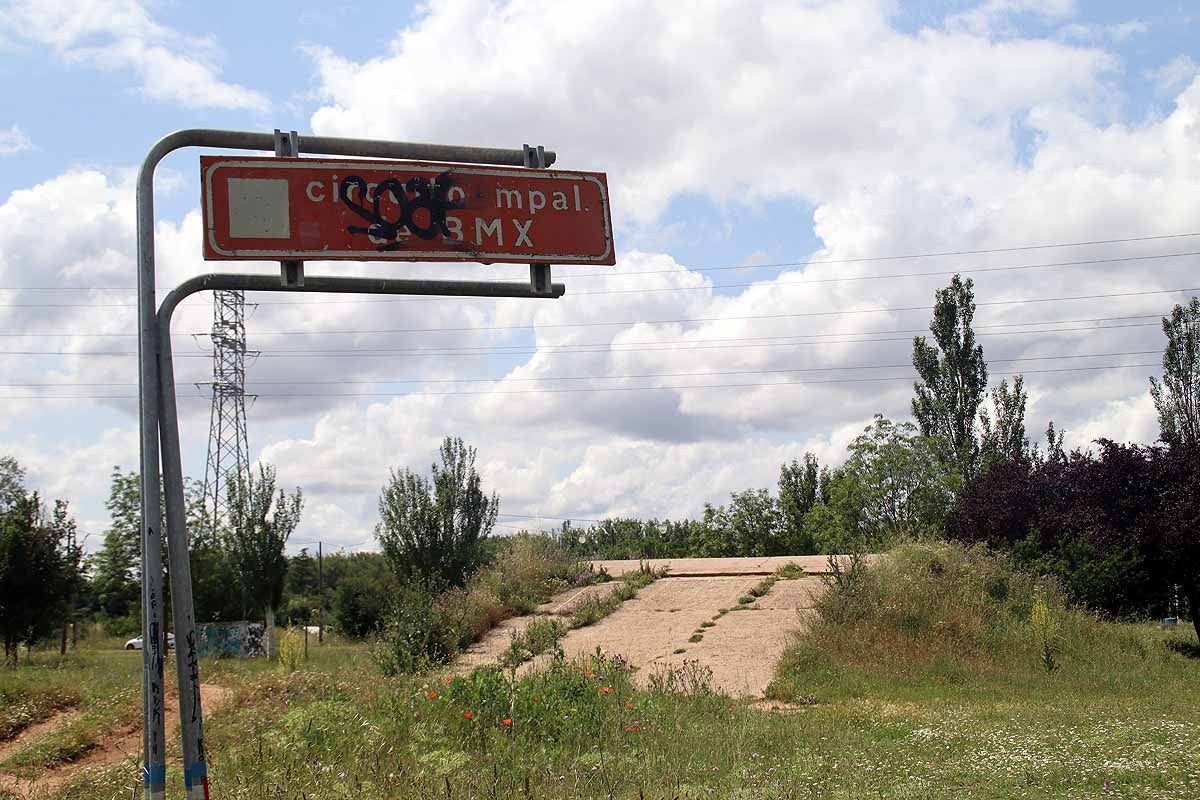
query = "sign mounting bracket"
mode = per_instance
[
  {"x": 287, "y": 145},
  {"x": 539, "y": 274}
]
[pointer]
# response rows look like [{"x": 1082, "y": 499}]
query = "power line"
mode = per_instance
[
  {"x": 652, "y": 346},
  {"x": 774, "y": 265},
  {"x": 766, "y": 283},
  {"x": 500, "y": 379},
  {"x": 856, "y": 278},
  {"x": 792, "y": 315},
  {"x": 556, "y": 350},
  {"x": 597, "y": 389},
  {"x": 381, "y": 331}
]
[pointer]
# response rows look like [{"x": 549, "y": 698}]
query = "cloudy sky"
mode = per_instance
[{"x": 791, "y": 181}]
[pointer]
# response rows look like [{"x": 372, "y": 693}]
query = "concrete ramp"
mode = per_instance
[{"x": 718, "y": 567}]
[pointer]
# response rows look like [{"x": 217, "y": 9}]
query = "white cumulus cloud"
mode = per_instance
[{"x": 120, "y": 35}]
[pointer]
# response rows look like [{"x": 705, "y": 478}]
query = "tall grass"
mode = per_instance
[
  {"x": 424, "y": 630},
  {"x": 937, "y": 613}
]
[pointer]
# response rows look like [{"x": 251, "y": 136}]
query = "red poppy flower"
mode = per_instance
[
  {"x": 629, "y": 706},
  {"x": 433, "y": 695},
  {"x": 506, "y": 722},
  {"x": 466, "y": 715}
]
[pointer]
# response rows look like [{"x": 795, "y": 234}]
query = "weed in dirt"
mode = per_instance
[
  {"x": 594, "y": 609},
  {"x": 540, "y": 636},
  {"x": 789, "y": 571},
  {"x": 763, "y": 587}
]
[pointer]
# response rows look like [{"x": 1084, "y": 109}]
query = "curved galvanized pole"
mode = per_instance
[
  {"x": 187, "y": 661},
  {"x": 151, "y": 399}
]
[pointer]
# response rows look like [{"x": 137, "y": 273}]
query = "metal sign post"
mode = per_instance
[{"x": 159, "y": 418}]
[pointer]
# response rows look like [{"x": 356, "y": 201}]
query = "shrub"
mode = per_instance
[
  {"x": 1045, "y": 631},
  {"x": 531, "y": 570},
  {"x": 540, "y": 636},
  {"x": 790, "y": 571},
  {"x": 424, "y": 628},
  {"x": 360, "y": 605},
  {"x": 691, "y": 679},
  {"x": 569, "y": 705},
  {"x": 415, "y": 637},
  {"x": 467, "y": 614},
  {"x": 291, "y": 649}
]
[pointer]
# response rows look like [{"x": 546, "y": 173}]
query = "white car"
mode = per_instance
[{"x": 136, "y": 644}]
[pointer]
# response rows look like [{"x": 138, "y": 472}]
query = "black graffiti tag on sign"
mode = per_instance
[{"x": 431, "y": 198}]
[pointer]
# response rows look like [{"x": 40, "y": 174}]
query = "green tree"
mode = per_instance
[
  {"x": 893, "y": 486},
  {"x": 116, "y": 568},
  {"x": 953, "y": 378},
  {"x": 302, "y": 574},
  {"x": 65, "y": 531},
  {"x": 799, "y": 490},
  {"x": 216, "y": 591},
  {"x": 34, "y": 571},
  {"x": 751, "y": 525},
  {"x": 431, "y": 530},
  {"x": 12, "y": 484},
  {"x": 360, "y": 604},
  {"x": 1177, "y": 397},
  {"x": 261, "y": 523},
  {"x": 1005, "y": 439}
]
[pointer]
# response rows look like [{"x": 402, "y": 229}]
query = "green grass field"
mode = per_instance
[{"x": 930, "y": 676}]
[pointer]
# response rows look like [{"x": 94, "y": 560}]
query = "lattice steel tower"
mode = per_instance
[{"x": 228, "y": 450}]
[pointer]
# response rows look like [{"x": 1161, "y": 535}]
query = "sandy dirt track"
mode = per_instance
[
  {"x": 741, "y": 648},
  {"x": 120, "y": 745}
]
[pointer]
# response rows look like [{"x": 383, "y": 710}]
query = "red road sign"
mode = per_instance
[{"x": 267, "y": 209}]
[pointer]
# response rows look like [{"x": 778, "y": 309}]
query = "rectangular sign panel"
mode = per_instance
[{"x": 316, "y": 209}]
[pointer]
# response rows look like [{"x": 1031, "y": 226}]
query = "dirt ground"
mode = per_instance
[
  {"x": 119, "y": 745},
  {"x": 652, "y": 630}
]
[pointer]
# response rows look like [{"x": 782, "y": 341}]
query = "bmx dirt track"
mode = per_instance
[{"x": 652, "y": 631}]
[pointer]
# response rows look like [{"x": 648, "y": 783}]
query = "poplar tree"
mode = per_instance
[
  {"x": 1177, "y": 397},
  {"x": 1005, "y": 439},
  {"x": 260, "y": 523},
  {"x": 953, "y": 378},
  {"x": 799, "y": 487}
]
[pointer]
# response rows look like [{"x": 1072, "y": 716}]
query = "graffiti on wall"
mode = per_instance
[{"x": 230, "y": 640}]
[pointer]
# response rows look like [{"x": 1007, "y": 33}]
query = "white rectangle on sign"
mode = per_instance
[{"x": 258, "y": 209}]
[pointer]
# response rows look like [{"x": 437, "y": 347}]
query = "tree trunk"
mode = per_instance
[
  {"x": 62, "y": 644},
  {"x": 270, "y": 633}
]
